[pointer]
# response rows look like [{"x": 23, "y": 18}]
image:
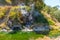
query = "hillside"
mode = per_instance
[
  {"x": 28, "y": 20},
  {"x": 44, "y": 14}
]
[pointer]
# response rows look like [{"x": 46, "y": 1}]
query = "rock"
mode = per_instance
[
  {"x": 3, "y": 30},
  {"x": 44, "y": 38},
  {"x": 36, "y": 14},
  {"x": 31, "y": 38},
  {"x": 41, "y": 29},
  {"x": 47, "y": 38},
  {"x": 16, "y": 27},
  {"x": 39, "y": 39},
  {"x": 10, "y": 30},
  {"x": 27, "y": 30},
  {"x": 58, "y": 38}
]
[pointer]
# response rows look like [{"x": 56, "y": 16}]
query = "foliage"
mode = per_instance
[
  {"x": 12, "y": 13},
  {"x": 52, "y": 12},
  {"x": 39, "y": 5},
  {"x": 8, "y": 1},
  {"x": 47, "y": 9},
  {"x": 56, "y": 14},
  {"x": 51, "y": 22},
  {"x": 41, "y": 19},
  {"x": 2, "y": 12},
  {"x": 54, "y": 33}
]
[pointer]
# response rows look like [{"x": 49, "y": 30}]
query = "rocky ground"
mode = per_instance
[{"x": 48, "y": 38}]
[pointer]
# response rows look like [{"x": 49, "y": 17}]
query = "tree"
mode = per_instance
[
  {"x": 39, "y": 4},
  {"x": 47, "y": 9},
  {"x": 56, "y": 14}
]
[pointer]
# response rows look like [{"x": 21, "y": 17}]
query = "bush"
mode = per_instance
[
  {"x": 1, "y": 14},
  {"x": 56, "y": 14},
  {"x": 51, "y": 22},
  {"x": 2, "y": 11}
]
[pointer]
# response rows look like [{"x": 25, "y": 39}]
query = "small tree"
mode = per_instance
[{"x": 56, "y": 14}]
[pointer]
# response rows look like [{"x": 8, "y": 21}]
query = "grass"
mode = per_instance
[
  {"x": 26, "y": 35},
  {"x": 19, "y": 36}
]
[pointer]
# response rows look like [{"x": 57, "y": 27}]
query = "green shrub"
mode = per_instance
[
  {"x": 51, "y": 22},
  {"x": 56, "y": 14}
]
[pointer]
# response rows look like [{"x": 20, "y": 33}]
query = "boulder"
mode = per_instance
[
  {"x": 3, "y": 30},
  {"x": 16, "y": 27},
  {"x": 41, "y": 29}
]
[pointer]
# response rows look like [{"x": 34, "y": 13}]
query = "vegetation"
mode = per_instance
[
  {"x": 26, "y": 35},
  {"x": 19, "y": 36},
  {"x": 47, "y": 16},
  {"x": 56, "y": 14},
  {"x": 39, "y": 6}
]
